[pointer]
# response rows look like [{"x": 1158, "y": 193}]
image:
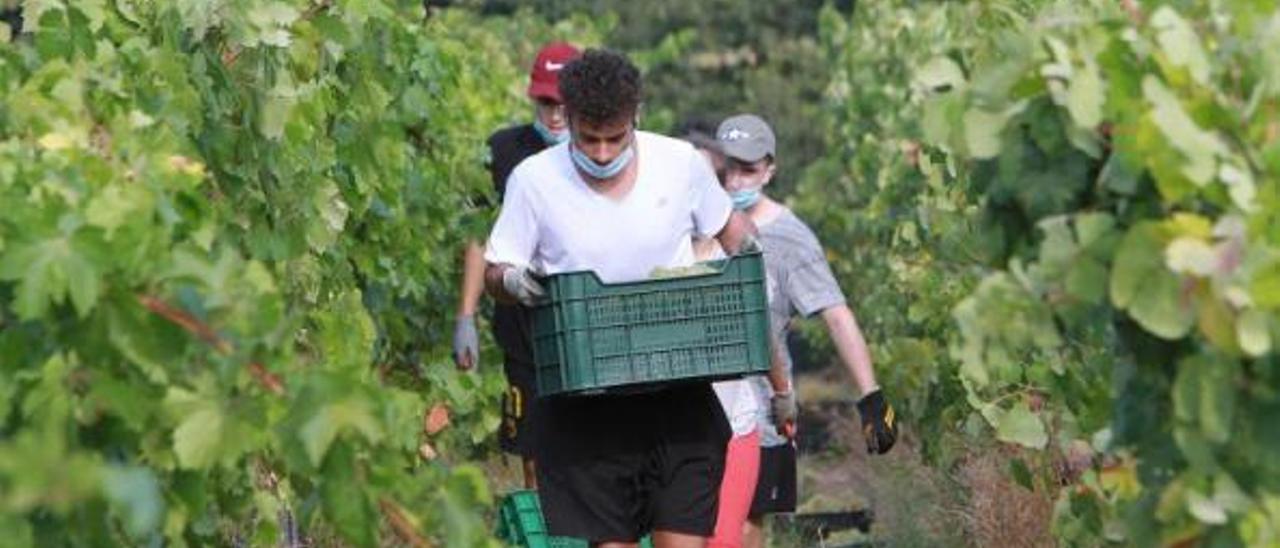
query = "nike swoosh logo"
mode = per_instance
[{"x": 554, "y": 66}]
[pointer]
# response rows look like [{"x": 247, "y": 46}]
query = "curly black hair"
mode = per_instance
[{"x": 600, "y": 87}]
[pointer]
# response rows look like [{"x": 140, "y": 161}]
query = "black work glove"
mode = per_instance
[{"x": 878, "y": 426}]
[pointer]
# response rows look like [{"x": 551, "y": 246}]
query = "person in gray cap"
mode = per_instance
[{"x": 800, "y": 283}]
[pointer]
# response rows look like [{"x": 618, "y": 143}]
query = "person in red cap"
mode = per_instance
[{"x": 507, "y": 148}]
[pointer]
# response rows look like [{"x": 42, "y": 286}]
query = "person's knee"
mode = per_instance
[
  {"x": 530, "y": 473},
  {"x": 753, "y": 532},
  {"x": 671, "y": 539}
]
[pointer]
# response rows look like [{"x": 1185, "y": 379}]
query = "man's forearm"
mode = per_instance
[
  {"x": 473, "y": 268},
  {"x": 851, "y": 346},
  {"x": 736, "y": 232},
  {"x": 493, "y": 283},
  {"x": 779, "y": 380}
]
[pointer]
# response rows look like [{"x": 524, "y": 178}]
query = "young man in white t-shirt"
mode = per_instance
[{"x": 620, "y": 202}]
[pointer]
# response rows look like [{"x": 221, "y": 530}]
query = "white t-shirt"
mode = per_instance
[
  {"x": 552, "y": 221},
  {"x": 741, "y": 404}
]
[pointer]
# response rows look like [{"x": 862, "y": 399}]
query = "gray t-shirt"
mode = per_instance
[{"x": 800, "y": 284}]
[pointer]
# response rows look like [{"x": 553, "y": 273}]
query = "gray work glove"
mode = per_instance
[
  {"x": 784, "y": 410},
  {"x": 519, "y": 283},
  {"x": 466, "y": 344}
]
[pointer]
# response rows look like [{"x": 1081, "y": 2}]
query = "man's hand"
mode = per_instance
[
  {"x": 878, "y": 426},
  {"x": 466, "y": 344},
  {"x": 785, "y": 411},
  {"x": 735, "y": 232},
  {"x": 519, "y": 283},
  {"x": 750, "y": 244}
]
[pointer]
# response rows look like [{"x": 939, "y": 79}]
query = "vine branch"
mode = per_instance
[
  {"x": 401, "y": 525},
  {"x": 203, "y": 331}
]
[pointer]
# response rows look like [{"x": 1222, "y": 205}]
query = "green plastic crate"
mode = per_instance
[
  {"x": 520, "y": 517},
  {"x": 589, "y": 336},
  {"x": 520, "y": 523}
]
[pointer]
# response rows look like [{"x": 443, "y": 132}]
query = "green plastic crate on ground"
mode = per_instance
[
  {"x": 520, "y": 517},
  {"x": 589, "y": 336},
  {"x": 520, "y": 523}
]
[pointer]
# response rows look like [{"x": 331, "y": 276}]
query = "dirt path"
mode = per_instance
[{"x": 913, "y": 504}]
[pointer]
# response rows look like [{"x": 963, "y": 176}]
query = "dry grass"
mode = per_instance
[
  {"x": 974, "y": 503},
  {"x": 505, "y": 473},
  {"x": 999, "y": 511}
]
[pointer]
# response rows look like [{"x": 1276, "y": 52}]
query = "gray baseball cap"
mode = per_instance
[{"x": 746, "y": 137}]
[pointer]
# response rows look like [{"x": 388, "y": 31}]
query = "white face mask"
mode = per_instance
[
  {"x": 550, "y": 136},
  {"x": 615, "y": 166},
  {"x": 606, "y": 171}
]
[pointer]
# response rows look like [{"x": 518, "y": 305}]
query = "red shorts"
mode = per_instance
[{"x": 741, "y": 470}]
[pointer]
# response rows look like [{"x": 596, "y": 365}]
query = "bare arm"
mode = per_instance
[
  {"x": 782, "y": 402},
  {"x": 705, "y": 248},
  {"x": 851, "y": 346},
  {"x": 466, "y": 342},
  {"x": 737, "y": 231},
  {"x": 493, "y": 283},
  {"x": 472, "y": 279},
  {"x": 777, "y": 365}
]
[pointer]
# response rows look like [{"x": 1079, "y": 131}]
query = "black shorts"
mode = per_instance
[
  {"x": 517, "y": 409},
  {"x": 776, "y": 486},
  {"x": 615, "y": 467}
]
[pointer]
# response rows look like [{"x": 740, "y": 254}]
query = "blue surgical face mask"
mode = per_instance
[
  {"x": 549, "y": 136},
  {"x": 744, "y": 199},
  {"x": 597, "y": 171}
]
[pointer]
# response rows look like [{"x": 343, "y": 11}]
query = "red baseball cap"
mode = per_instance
[{"x": 544, "y": 77}]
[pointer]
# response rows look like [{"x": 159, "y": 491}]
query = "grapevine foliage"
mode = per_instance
[
  {"x": 227, "y": 257},
  {"x": 1058, "y": 220}
]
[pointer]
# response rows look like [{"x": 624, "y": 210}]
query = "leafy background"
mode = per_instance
[{"x": 228, "y": 257}]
